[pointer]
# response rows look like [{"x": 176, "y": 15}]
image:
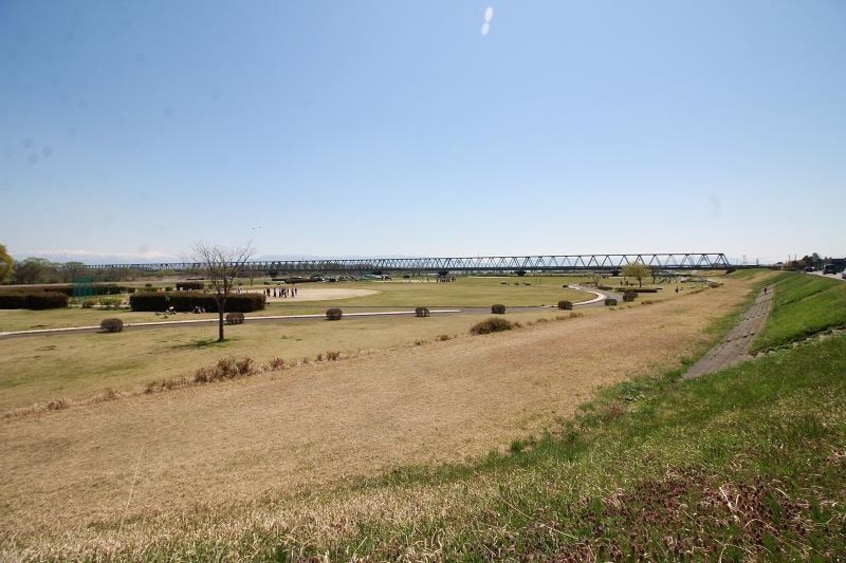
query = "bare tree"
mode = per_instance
[{"x": 221, "y": 267}]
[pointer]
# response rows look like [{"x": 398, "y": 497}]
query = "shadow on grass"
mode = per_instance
[{"x": 202, "y": 343}]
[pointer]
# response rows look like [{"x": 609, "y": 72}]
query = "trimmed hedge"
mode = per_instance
[
  {"x": 421, "y": 312},
  {"x": 610, "y": 302},
  {"x": 190, "y": 286},
  {"x": 565, "y": 305},
  {"x": 498, "y": 309},
  {"x": 234, "y": 318},
  {"x": 185, "y": 301},
  {"x": 629, "y": 296},
  {"x": 34, "y": 300},
  {"x": 334, "y": 314},
  {"x": 111, "y": 325}
]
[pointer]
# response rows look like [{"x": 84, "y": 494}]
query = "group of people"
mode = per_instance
[{"x": 280, "y": 292}]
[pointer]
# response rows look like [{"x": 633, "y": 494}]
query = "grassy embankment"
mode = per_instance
[{"x": 746, "y": 464}]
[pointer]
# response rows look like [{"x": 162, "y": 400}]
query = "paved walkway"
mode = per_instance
[{"x": 735, "y": 347}]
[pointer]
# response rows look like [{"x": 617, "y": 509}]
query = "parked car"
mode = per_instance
[
  {"x": 843, "y": 275},
  {"x": 829, "y": 269}
]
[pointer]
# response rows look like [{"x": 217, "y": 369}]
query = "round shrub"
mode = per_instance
[
  {"x": 334, "y": 314},
  {"x": 565, "y": 305},
  {"x": 421, "y": 312},
  {"x": 610, "y": 302},
  {"x": 234, "y": 318},
  {"x": 629, "y": 296},
  {"x": 111, "y": 325},
  {"x": 498, "y": 309}
]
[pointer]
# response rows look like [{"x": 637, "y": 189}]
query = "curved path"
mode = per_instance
[{"x": 735, "y": 347}]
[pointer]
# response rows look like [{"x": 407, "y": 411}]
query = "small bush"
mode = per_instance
[
  {"x": 421, "y": 312},
  {"x": 234, "y": 318},
  {"x": 565, "y": 305},
  {"x": 488, "y": 326},
  {"x": 111, "y": 325},
  {"x": 444, "y": 337},
  {"x": 277, "y": 363},
  {"x": 610, "y": 302},
  {"x": 244, "y": 366},
  {"x": 334, "y": 314},
  {"x": 498, "y": 309},
  {"x": 333, "y": 355},
  {"x": 629, "y": 296}
]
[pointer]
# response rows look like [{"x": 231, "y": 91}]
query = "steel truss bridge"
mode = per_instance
[{"x": 525, "y": 264}]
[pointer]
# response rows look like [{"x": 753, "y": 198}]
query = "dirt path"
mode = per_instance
[{"x": 735, "y": 347}]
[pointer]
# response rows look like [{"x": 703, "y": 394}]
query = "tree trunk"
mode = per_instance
[{"x": 221, "y": 305}]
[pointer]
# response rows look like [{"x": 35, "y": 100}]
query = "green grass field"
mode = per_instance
[{"x": 803, "y": 305}]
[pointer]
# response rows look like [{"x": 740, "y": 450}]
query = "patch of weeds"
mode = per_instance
[
  {"x": 493, "y": 324},
  {"x": 58, "y": 404},
  {"x": 444, "y": 337}
]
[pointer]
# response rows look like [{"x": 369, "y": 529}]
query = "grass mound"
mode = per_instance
[{"x": 803, "y": 305}]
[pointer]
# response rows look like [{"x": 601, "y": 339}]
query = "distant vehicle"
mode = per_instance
[
  {"x": 809, "y": 268},
  {"x": 843, "y": 275},
  {"x": 829, "y": 269}
]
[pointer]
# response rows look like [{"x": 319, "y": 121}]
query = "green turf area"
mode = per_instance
[
  {"x": 466, "y": 292},
  {"x": 803, "y": 305}
]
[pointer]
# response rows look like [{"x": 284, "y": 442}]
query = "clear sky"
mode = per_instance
[{"x": 436, "y": 127}]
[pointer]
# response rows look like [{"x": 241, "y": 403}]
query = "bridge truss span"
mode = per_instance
[{"x": 533, "y": 263}]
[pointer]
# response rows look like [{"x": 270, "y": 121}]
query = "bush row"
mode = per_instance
[
  {"x": 185, "y": 301},
  {"x": 37, "y": 300},
  {"x": 68, "y": 289}
]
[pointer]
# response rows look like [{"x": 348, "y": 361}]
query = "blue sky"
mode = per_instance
[{"x": 393, "y": 128}]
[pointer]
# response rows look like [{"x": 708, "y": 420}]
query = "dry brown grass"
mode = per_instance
[{"x": 111, "y": 464}]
